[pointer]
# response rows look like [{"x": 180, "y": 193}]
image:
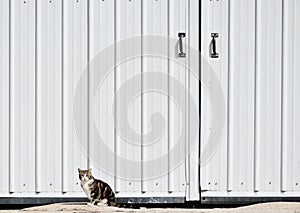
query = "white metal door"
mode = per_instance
[
  {"x": 152, "y": 122},
  {"x": 256, "y": 68}
]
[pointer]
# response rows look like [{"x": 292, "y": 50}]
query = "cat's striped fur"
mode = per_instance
[{"x": 96, "y": 190}]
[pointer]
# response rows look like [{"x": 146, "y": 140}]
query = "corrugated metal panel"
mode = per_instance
[
  {"x": 176, "y": 24},
  {"x": 291, "y": 99},
  {"x": 268, "y": 95},
  {"x": 128, "y": 24},
  {"x": 101, "y": 35},
  {"x": 22, "y": 96},
  {"x": 215, "y": 16},
  {"x": 154, "y": 22},
  {"x": 75, "y": 58},
  {"x": 45, "y": 49},
  {"x": 49, "y": 96},
  {"x": 241, "y": 95},
  {"x": 46, "y": 46},
  {"x": 262, "y": 99}
]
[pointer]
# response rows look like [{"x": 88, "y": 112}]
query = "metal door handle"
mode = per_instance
[
  {"x": 181, "y": 54},
  {"x": 213, "y": 52}
]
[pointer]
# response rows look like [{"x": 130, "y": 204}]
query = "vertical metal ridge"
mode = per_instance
[
  {"x": 256, "y": 150},
  {"x": 11, "y": 154},
  {"x": 37, "y": 145},
  {"x": 115, "y": 89},
  {"x": 143, "y": 188},
  {"x": 283, "y": 169},
  {"x": 63, "y": 145},
  {"x": 88, "y": 84},
  {"x": 229, "y": 102},
  {"x": 31, "y": 153},
  {"x": 187, "y": 71},
  {"x": 186, "y": 94}
]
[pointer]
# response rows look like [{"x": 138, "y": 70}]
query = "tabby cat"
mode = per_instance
[{"x": 98, "y": 192}]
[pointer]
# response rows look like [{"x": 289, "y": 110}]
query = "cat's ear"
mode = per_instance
[
  {"x": 79, "y": 169},
  {"x": 90, "y": 169}
]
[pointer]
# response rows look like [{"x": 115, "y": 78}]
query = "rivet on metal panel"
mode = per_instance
[
  {"x": 242, "y": 183},
  {"x": 77, "y": 183},
  {"x": 50, "y": 184},
  {"x": 183, "y": 184},
  {"x": 156, "y": 184},
  {"x": 129, "y": 183},
  {"x": 296, "y": 184},
  {"x": 24, "y": 2},
  {"x": 50, "y": 1},
  {"x": 216, "y": 183},
  {"x": 270, "y": 182},
  {"x": 208, "y": 183},
  {"x": 24, "y": 184}
]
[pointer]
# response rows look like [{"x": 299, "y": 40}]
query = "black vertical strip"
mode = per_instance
[
  {"x": 62, "y": 96},
  {"x": 199, "y": 161}
]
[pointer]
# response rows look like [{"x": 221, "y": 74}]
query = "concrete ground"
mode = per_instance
[{"x": 280, "y": 207}]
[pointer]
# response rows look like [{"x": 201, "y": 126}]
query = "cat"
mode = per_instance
[{"x": 97, "y": 191}]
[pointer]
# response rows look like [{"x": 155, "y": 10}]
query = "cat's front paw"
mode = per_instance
[
  {"x": 102, "y": 204},
  {"x": 90, "y": 204}
]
